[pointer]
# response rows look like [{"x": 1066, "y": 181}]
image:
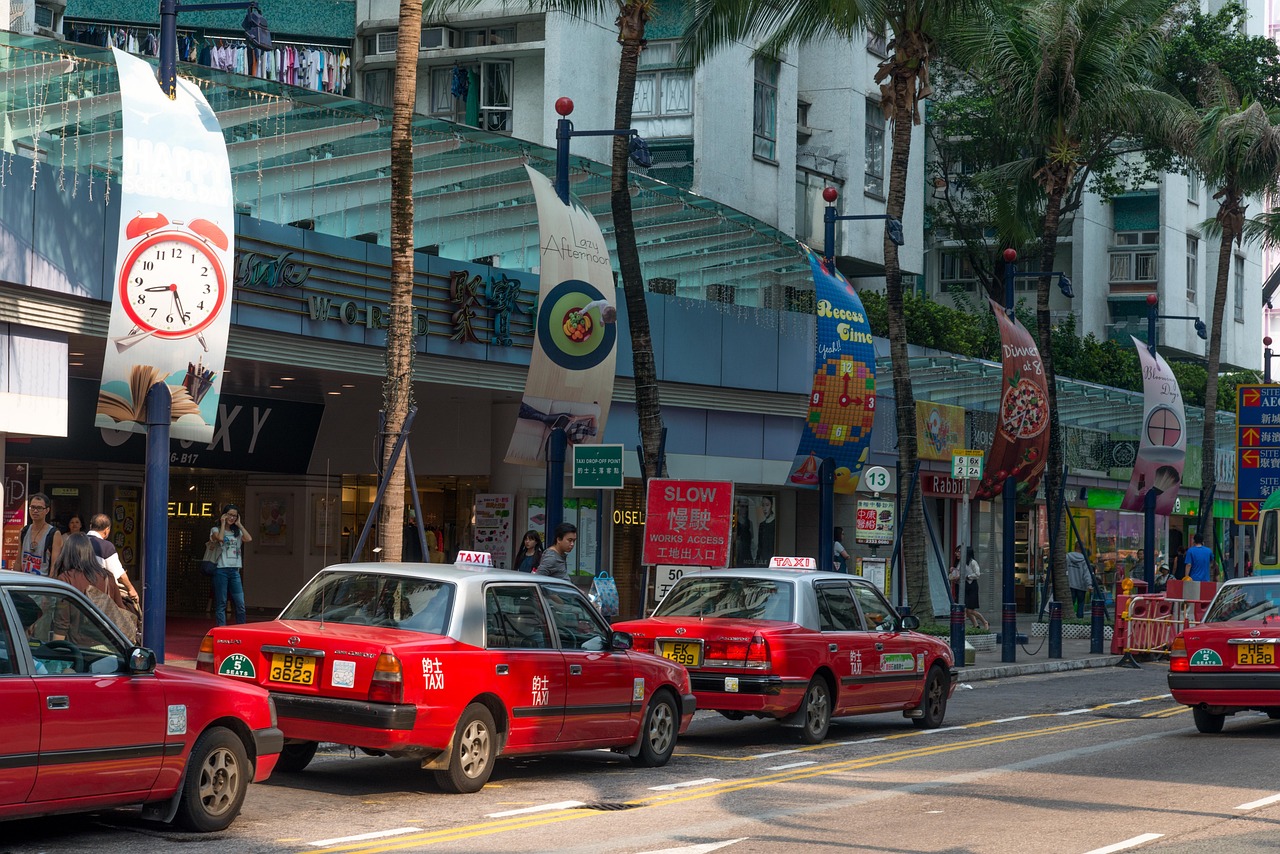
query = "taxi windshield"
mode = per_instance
[
  {"x": 734, "y": 598},
  {"x": 1239, "y": 602},
  {"x": 374, "y": 599}
]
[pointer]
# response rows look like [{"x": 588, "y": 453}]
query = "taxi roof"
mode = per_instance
[
  {"x": 443, "y": 571},
  {"x": 763, "y": 572},
  {"x": 10, "y": 577}
]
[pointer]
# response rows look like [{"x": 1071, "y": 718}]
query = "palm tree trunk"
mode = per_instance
[
  {"x": 913, "y": 533},
  {"x": 631, "y": 27},
  {"x": 1208, "y": 484},
  {"x": 397, "y": 390},
  {"x": 1044, "y": 329}
]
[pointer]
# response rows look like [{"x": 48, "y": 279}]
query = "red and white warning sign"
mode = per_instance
[{"x": 687, "y": 522}]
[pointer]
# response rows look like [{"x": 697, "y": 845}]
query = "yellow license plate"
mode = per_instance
[
  {"x": 1256, "y": 653},
  {"x": 688, "y": 653},
  {"x": 293, "y": 669}
]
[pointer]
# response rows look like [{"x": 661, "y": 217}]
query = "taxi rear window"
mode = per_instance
[
  {"x": 1245, "y": 602},
  {"x": 734, "y": 598},
  {"x": 373, "y": 599}
]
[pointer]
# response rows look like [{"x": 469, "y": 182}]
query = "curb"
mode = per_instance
[{"x": 1057, "y": 665}]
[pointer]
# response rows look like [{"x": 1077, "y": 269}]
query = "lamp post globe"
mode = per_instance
[
  {"x": 1266, "y": 341},
  {"x": 564, "y": 106},
  {"x": 1010, "y": 255},
  {"x": 829, "y": 195}
]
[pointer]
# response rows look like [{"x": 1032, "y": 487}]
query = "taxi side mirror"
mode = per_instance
[
  {"x": 909, "y": 623},
  {"x": 620, "y": 641},
  {"x": 141, "y": 660}
]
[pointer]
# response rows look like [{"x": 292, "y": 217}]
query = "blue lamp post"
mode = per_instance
[
  {"x": 255, "y": 32},
  {"x": 1266, "y": 360}
]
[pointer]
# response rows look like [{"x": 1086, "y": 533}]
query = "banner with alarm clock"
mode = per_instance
[{"x": 171, "y": 302}]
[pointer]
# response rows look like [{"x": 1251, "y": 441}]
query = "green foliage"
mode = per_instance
[
  {"x": 938, "y": 630},
  {"x": 1208, "y": 46}
]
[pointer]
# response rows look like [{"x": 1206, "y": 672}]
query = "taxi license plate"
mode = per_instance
[
  {"x": 688, "y": 653},
  {"x": 1256, "y": 653},
  {"x": 293, "y": 669}
]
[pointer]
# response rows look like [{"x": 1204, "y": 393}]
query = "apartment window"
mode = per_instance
[
  {"x": 488, "y": 35},
  {"x": 957, "y": 271},
  {"x": 765, "y": 123},
  {"x": 1193, "y": 188},
  {"x": 873, "y": 182},
  {"x": 1239, "y": 288},
  {"x": 449, "y": 94},
  {"x": 1193, "y": 269},
  {"x": 1133, "y": 258},
  {"x": 667, "y": 90},
  {"x": 377, "y": 87},
  {"x": 877, "y": 43}
]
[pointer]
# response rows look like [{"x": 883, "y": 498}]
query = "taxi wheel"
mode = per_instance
[
  {"x": 933, "y": 703},
  {"x": 1207, "y": 722},
  {"x": 295, "y": 757},
  {"x": 474, "y": 747},
  {"x": 817, "y": 711},
  {"x": 658, "y": 738},
  {"x": 218, "y": 775}
]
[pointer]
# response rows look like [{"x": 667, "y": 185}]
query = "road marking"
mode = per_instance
[
  {"x": 775, "y": 753},
  {"x": 558, "y": 805},
  {"x": 1128, "y": 843},
  {"x": 1261, "y": 802},
  {"x": 792, "y": 765},
  {"x": 1074, "y": 712},
  {"x": 377, "y": 834},
  {"x": 1011, "y": 720},
  {"x": 670, "y": 787},
  {"x": 699, "y": 849},
  {"x": 941, "y": 729}
]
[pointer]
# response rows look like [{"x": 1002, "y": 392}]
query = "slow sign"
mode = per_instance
[{"x": 687, "y": 522}]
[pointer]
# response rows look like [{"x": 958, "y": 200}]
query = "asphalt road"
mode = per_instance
[{"x": 1079, "y": 762}]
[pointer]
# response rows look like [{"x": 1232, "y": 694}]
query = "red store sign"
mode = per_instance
[
  {"x": 688, "y": 522},
  {"x": 941, "y": 485}
]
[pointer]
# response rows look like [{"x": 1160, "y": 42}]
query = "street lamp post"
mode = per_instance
[
  {"x": 1266, "y": 360},
  {"x": 254, "y": 25},
  {"x": 1153, "y": 494}
]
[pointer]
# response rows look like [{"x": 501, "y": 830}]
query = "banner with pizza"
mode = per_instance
[
  {"x": 1021, "y": 443},
  {"x": 571, "y": 369},
  {"x": 1162, "y": 449},
  {"x": 842, "y": 403},
  {"x": 171, "y": 302}
]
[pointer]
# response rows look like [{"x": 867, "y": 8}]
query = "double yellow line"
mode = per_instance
[{"x": 436, "y": 837}]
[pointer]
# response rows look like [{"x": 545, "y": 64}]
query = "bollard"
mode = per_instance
[
  {"x": 957, "y": 632},
  {"x": 1095, "y": 632},
  {"x": 1055, "y": 630},
  {"x": 1008, "y": 632}
]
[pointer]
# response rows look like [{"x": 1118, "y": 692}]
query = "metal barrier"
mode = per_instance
[{"x": 1154, "y": 621}]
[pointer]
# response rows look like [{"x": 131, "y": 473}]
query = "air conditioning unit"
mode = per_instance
[
  {"x": 386, "y": 42},
  {"x": 440, "y": 38}
]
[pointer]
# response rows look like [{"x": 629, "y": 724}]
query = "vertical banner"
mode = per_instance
[
  {"x": 1021, "y": 442},
  {"x": 171, "y": 304},
  {"x": 571, "y": 369},
  {"x": 494, "y": 528},
  {"x": 842, "y": 404},
  {"x": 1162, "y": 450},
  {"x": 13, "y": 515}
]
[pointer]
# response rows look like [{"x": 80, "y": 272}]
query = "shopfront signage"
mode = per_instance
[
  {"x": 875, "y": 522},
  {"x": 1257, "y": 448},
  {"x": 190, "y": 509},
  {"x": 628, "y": 517},
  {"x": 688, "y": 522},
  {"x": 941, "y": 485},
  {"x": 597, "y": 467},
  {"x": 261, "y": 270}
]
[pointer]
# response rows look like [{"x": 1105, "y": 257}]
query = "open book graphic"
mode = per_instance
[{"x": 141, "y": 379}]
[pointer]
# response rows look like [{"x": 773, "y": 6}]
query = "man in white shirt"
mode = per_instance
[{"x": 99, "y": 533}]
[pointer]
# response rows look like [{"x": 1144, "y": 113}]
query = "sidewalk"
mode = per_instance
[{"x": 1075, "y": 656}]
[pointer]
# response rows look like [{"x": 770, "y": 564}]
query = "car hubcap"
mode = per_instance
[
  {"x": 475, "y": 749},
  {"x": 935, "y": 696},
  {"x": 219, "y": 781},
  {"x": 661, "y": 728},
  {"x": 817, "y": 708}
]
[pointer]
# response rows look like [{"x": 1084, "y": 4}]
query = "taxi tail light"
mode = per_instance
[
  {"x": 1178, "y": 661},
  {"x": 752, "y": 654},
  {"x": 204, "y": 658},
  {"x": 387, "y": 685}
]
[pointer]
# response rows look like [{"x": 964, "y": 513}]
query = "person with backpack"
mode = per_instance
[{"x": 40, "y": 541}]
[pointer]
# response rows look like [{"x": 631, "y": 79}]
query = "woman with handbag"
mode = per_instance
[
  {"x": 78, "y": 566},
  {"x": 229, "y": 538}
]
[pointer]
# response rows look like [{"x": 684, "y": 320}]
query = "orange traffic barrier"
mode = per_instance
[{"x": 1152, "y": 622}]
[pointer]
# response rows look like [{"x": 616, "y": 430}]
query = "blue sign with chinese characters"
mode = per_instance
[{"x": 1257, "y": 448}]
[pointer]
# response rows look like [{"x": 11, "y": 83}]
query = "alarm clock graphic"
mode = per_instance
[{"x": 172, "y": 283}]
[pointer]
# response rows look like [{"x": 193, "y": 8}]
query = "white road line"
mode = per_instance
[
  {"x": 699, "y": 849},
  {"x": 774, "y": 753},
  {"x": 1011, "y": 720},
  {"x": 940, "y": 729},
  {"x": 1128, "y": 843},
  {"x": 861, "y": 741},
  {"x": 790, "y": 765},
  {"x": 1074, "y": 712},
  {"x": 1261, "y": 802},
  {"x": 558, "y": 805},
  {"x": 377, "y": 834},
  {"x": 673, "y": 786}
]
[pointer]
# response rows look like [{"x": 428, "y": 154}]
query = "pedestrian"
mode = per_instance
[
  {"x": 1162, "y": 578},
  {"x": 841, "y": 556},
  {"x": 742, "y": 534},
  {"x": 78, "y": 566},
  {"x": 1199, "y": 560},
  {"x": 229, "y": 536},
  {"x": 1078, "y": 579},
  {"x": 100, "y": 539},
  {"x": 553, "y": 561},
  {"x": 410, "y": 543},
  {"x": 75, "y": 525},
  {"x": 530, "y": 552},
  {"x": 1180, "y": 564},
  {"x": 39, "y": 541},
  {"x": 971, "y": 573}
]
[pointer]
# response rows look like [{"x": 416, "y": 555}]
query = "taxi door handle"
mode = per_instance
[
  {"x": 833, "y": 647},
  {"x": 575, "y": 669},
  {"x": 58, "y": 702},
  {"x": 502, "y": 669}
]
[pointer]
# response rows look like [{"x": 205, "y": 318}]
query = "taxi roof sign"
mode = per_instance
[
  {"x": 780, "y": 562},
  {"x": 474, "y": 559}
]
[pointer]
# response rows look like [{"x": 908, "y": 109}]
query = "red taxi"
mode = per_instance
[
  {"x": 453, "y": 666},
  {"x": 798, "y": 646},
  {"x": 1228, "y": 663},
  {"x": 90, "y": 721}
]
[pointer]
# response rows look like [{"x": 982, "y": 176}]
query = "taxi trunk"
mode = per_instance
[{"x": 1227, "y": 664}]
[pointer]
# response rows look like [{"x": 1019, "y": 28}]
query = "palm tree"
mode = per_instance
[
  {"x": 1235, "y": 146},
  {"x": 397, "y": 389},
  {"x": 632, "y": 16},
  {"x": 904, "y": 79},
  {"x": 1077, "y": 74}
]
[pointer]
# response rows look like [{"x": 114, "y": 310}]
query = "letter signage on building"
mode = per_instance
[
  {"x": 688, "y": 522},
  {"x": 1162, "y": 449}
]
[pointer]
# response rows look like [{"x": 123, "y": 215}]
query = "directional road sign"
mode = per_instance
[{"x": 1257, "y": 448}]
